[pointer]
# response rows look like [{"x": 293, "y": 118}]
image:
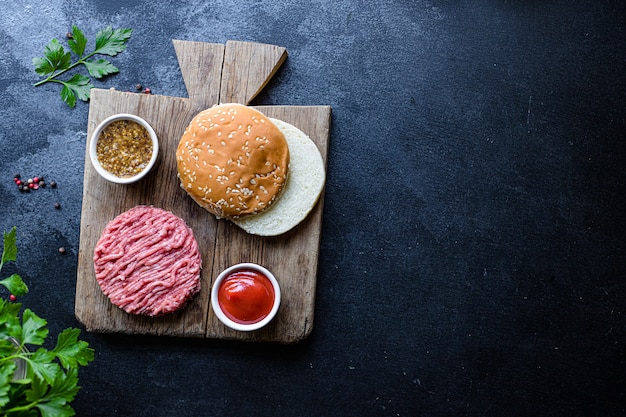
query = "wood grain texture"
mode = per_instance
[
  {"x": 201, "y": 66},
  {"x": 248, "y": 67},
  {"x": 292, "y": 257}
]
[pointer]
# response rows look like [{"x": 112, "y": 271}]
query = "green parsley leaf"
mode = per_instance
[
  {"x": 43, "y": 366},
  {"x": 7, "y": 369},
  {"x": 9, "y": 321},
  {"x": 111, "y": 42},
  {"x": 101, "y": 67},
  {"x": 57, "y": 61},
  {"x": 43, "y": 66},
  {"x": 78, "y": 43},
  {"x": 55, "y": 408},
  {"x": 7, "y": 348},
  {"x": 65, "y": 386},
  {"x": 34, "y": 329},
  {"x": 15, "y": 284},
  {"x": 37, "y": 389},
  {"x": 9, "y": 251},
  {"x": 79, "y": 86},
  {"x": 70, "y": 351}
]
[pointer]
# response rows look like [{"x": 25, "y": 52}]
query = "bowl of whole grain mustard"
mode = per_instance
[{"x": 123, "y": 148}]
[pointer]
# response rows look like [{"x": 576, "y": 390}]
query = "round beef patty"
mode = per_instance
[{"x": 147, "y": 261}]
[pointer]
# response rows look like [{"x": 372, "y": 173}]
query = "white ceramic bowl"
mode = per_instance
[
  {"x": 217, "y": 309},
  {"x": 94, "y": 141}
]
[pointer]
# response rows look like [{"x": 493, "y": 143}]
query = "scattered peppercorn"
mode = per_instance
[
  {"x": 53, "y": 184},
  {"x": 61, "y": 250},
  {"x": 69, "y": 35},
  {"x": 57, "y": 206},
  {"x": 138, "y": 86},
  {"x": 33, "y": 183}
]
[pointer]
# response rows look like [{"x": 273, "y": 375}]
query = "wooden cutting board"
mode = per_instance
[{"x": 213, "y": 73}]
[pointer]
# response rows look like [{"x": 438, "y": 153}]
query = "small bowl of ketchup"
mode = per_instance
[{"x": 245, "y": 297}]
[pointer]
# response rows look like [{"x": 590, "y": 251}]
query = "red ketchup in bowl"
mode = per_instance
[{"x": 246, "y": 296}]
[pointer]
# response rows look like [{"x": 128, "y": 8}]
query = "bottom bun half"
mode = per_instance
[{"x": 305, "y": 182}]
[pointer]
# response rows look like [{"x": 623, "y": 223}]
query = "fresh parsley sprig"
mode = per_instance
[
  {"x": 57, "y": 61},
  {"x": 51, "y": 380},
  {"x": 13, "y": 283}
]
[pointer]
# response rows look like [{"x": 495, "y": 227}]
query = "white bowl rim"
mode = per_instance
[
  {"x": 94, "y": 140},
  {"x": 218, "y": 310}
]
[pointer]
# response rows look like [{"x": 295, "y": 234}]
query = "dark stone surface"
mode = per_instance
[{"x": 472, "y": 257}]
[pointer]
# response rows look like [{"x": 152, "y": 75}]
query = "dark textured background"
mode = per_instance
[{"x": 472, "y": 255}]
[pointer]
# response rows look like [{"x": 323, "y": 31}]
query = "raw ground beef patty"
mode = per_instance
[{"x": 147, "y": 261}]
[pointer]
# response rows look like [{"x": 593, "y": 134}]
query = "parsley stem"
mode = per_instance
[
  {"x": 56, "y": 74},
  {"x": 25, "y": 407},
  {"x": 74, "y": 65}
]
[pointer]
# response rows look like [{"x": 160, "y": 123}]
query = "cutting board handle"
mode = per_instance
[{"x": 231, "y": 73}]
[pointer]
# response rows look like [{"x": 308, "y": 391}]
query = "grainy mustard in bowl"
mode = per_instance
[{"x": 123, "y": 148}]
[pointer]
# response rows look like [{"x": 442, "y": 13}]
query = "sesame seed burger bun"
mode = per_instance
[
  {"x": 233, "y": 161},
  {"x": 307, "y": 176}
]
